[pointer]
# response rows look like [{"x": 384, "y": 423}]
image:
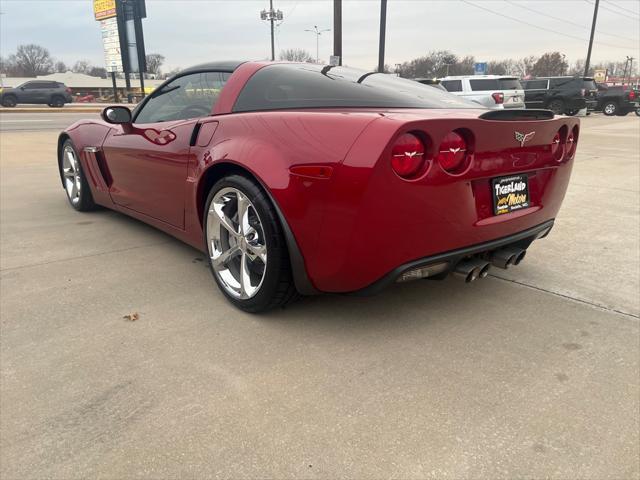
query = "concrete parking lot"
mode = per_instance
[{"x": 530, "y": 373}]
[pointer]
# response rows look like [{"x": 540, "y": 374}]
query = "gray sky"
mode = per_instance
[{"x": 188, "y": 32}]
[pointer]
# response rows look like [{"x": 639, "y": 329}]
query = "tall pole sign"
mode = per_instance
[{"x": 105, "y": 12}]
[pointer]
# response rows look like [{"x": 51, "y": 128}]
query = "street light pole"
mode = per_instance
[
  {"x": 383, "y": 28},
  {"x": 317, "y": 34},
  {"x": 272, "y": 15},
  {"x": 593, "y": 31}
]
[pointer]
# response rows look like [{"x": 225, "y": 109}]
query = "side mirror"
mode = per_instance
[{"x": 117, "y": 115}]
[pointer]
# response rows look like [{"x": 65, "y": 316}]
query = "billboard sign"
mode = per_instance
[
  {"x": 600, "y": 75},
  {"x": 111, "y": 45},
  {"x": 480, "y": 68},
  {"x": 103, "y": 9}
]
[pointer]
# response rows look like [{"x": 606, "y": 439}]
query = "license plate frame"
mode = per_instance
[{"x": 510, "y": 193}]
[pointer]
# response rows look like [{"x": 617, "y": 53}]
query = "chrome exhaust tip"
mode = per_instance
[
  {"x": 506, "y": 257},
  {"x": 472, "y": 269}
]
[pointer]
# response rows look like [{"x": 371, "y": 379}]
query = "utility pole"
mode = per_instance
[
  {"x": 337, "y": 30},
  {"x": 383, "y": 28},
  {"x": 593, "y": 31},
  {"x": 317, "y": 34},
  {"x": 272, "y": 15},
  {"x": 630, "y": 67}
]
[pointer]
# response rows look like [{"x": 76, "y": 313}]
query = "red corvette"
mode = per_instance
[{"x": 300, "y": 178}]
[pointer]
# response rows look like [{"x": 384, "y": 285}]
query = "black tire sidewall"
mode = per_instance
[
  {"x": 557, "y": 102},
  {"x": 57, "y": 102},
  {"x": 276, "y": 245},
  {"x": 9, "y": 101},
  {"x": 86, "y": 199}
]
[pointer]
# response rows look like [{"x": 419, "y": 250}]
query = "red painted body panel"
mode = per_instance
[{"x": 360, "y": 223}]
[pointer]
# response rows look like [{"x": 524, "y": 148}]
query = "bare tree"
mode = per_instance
[
  {"x": 549, "y": 64},
  {"x": 82, "y": 66},
  {"x": 98, "y": 72},
  {"x": 154, "y": 62},
  {"x": 60, "y": 67},
  {"x": 295, "y": 55},
  {"x": 33, "y": 60}
]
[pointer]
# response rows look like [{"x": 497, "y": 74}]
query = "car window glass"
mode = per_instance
[
  {"x": 589, "y": 84},
  {"x": 316, "y": 86},
  {"x": 452, "y": 85},
  {"x": 536, "y": 84},
  {"x": 509, "y": 84},
  {"x": 189, "y": 96},
  {"x": 484, "y": 84},
  {"x": 34, "y": 85}
]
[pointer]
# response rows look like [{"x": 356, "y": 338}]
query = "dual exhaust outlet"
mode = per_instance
[{"x": 475, "y": 268}]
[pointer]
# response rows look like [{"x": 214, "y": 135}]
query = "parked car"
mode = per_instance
[
  {"x": 302, "y": 178},
  {"x": 561, "y": 95},
  {"x": 54, "y": 94},
  {"x": 432, "y": 82},
  {"x": 496, "y": 92},
  {"x": 617, "y": 99}
]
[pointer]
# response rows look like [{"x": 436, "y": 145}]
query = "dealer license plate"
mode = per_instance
[{"x": 510, "y": 194}]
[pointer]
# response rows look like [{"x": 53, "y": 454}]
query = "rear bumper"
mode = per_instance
[{"x": 451, "y": 259}]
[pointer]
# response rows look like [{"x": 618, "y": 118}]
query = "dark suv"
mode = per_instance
[
  {"x": 562, "y": 95},
  {"x": 617, "y": 99},
  {"x": 54, "y": 94}
]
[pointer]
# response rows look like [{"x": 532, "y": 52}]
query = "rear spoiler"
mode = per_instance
[{"x": 517, "y": 115}]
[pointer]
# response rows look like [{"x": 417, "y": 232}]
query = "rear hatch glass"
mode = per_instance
[
  {"x": 482, "y": 84},
  {"x": 589, "y": 85}
]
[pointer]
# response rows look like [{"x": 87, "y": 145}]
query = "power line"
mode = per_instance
[
  {"x": 625, "y": 15},
  {"x": 539, "y": 27},
  {"x": 623, "y": 8},
  {"x": 564, "y": 20}
]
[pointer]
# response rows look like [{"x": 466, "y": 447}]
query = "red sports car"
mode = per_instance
[{"x": 300, "y": 178}]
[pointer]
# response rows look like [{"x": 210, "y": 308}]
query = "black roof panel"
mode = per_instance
[{"x": 227, "y": 65}]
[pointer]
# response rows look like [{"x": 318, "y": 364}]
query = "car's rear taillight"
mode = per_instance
[
  {"x": 453, "y": 153},
  {"x": 632, "y": 95},
  {"x": 408, "y": 156},
  {"x": 572, "y": 142},
  {"x": 557, "y": 148},
  {"x": 68, "y": 90},
  {"x": 498, "y": 97}
]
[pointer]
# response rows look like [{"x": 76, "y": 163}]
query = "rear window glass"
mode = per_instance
[
  {"x": 589, "y": 85},
  {"x": 452, "y": 85},
  {"x": 509, "y": 84},
  {"x": 565, "y": 83},
  {"x": 484, "y": 84},
  {"x": 535, "y": 84},
  {"x": 315, "y": 86}
]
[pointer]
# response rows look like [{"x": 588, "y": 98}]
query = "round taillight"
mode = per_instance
[
  {"x": 452, "y": 154},
  {"x": 572, "y": 142},
  {"x": 408, "y": 156},
  {"x": 557, "y": 149}
]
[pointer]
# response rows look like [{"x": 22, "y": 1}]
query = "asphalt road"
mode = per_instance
[
  {"x": 530, "y": 373},
  {"x": 40, "y": 121}
]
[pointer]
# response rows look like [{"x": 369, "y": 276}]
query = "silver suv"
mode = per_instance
[{"x": 496, "y": 92}]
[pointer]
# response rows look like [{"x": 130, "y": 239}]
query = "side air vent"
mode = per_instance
[{"x": 517, "y": 115}]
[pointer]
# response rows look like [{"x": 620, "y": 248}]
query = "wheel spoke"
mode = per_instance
[
  {"x": 243, "y": 213},
  {"x": 257, "y": 251},
  {"x": 246, "y": 290},
  {"x": 223, "y": 219},
  {"x": 222, "y": 259}
]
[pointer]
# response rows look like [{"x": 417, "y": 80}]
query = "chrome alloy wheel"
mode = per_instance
[
  {"x": 71, "y": 174},
  {"x": 236, "y": 243}
]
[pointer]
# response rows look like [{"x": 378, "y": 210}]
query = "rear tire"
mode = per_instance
[
  {"x": 57, "y": 102},
  {"x": 572, "y": 112},
  {"x": 610, "y": 109},
  {"x": 9, "y": 101},
  {"x": 556, "y": 106},
  {"x": 73, "y": 179},
  {"x": 246, "y": 246},
  {"x": 638, "y": 112}
]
